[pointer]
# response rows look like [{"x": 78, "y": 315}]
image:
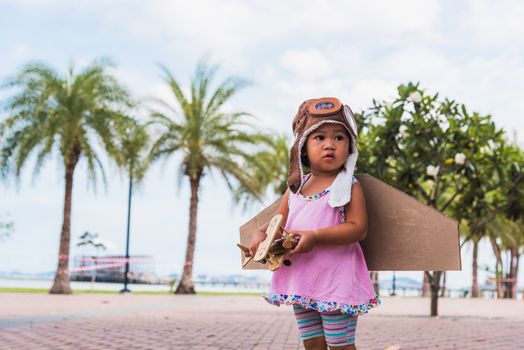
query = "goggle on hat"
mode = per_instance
[{"x": 311, "y": 115}]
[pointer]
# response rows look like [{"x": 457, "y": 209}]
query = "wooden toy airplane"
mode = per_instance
[{"x": 274, "y": 248}]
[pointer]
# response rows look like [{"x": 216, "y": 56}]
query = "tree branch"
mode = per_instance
[
  {"x": 457, "y": 192},
  {"x": 478, "y": 225},
  {"x": 422, "y": 192}
]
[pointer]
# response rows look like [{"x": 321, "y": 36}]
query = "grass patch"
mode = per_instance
[
  {"x": 46, "y": 290},
  {"x": 80, "y": 291},
  {"x": 231, "y": 293},
  {"x": 23, "y": 290}
]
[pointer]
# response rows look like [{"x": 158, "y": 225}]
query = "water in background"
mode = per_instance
[{"x": 200, "y": 287}]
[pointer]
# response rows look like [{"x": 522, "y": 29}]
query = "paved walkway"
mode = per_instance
[{"x": 40, "y": 321}]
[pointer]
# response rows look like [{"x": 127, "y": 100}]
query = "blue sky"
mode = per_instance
[{"x": 470, "y": 51}]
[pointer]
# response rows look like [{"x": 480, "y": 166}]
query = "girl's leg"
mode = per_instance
[
  {"x": 318, "y": 343},
  {"x": 339, "y": 330},
  {"x": 310, "y": 328},
  {"x": 345, "y": 347},
  {"x": 348, "y": 347}
]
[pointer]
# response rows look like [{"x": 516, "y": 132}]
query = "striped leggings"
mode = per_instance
[{"x": 338, "y": 328}]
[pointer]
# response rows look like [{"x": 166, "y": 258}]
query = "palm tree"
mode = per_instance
[
  {"x": 269, "y": 167},
  {"x": 133, "y": 140},
  {"x": 208, "y": 138},
  {"x": 503, "y": 224},
  {"x": 68, "y": 115},
  {"x": 276, "y": 163},
  {"x": 506, "y": 236}
]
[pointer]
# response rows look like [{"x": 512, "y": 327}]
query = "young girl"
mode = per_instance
[{"x": 327, "y": 283}]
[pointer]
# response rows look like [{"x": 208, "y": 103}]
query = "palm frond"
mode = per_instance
[{"x": 175, "y": 88}]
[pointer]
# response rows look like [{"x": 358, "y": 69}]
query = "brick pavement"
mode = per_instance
[{"x": 39, "y": 321}]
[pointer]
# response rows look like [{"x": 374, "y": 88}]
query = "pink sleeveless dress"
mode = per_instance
[{"x": 329, "y": 277}]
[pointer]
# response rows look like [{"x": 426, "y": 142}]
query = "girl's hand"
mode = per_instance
[
  {"x": 257, "y": 238},
  {"x": 307, "y": 240}
]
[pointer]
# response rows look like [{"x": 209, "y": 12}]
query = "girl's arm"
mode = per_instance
[
  {"x": 353, "y": 230},
  {"x": 260, "y": 233},
  {"x": 356, "y": 226}
]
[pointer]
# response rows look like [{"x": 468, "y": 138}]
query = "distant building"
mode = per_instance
[{"x": 111, "y": 269}]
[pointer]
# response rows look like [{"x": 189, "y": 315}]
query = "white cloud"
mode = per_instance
[
  {"x": 31, "y": 3},
  {"x": 495, "y": 23},
  {"x": 14, "y": 58},
  {"x": 238, "y": 23},
  {"x": 233, "y": 30},
  {"x": 365, "y": 90},
  {"x": 307, "y": 64},
  {"x": 414, "y": 63}
]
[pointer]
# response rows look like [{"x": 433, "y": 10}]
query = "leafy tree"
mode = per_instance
[
  {"x": 208, "y": 138},
  {"x": 426, "y": 147},
  {"x": 69, "y": 116}
]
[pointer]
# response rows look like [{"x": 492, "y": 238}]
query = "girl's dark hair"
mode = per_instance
[{"x": 303, "y": 158}]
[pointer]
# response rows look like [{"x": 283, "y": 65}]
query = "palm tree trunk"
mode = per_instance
[
  {"x": 475, "y": 283},
  {"x": 499, "y": 268},
  {"x": 516, "y": 273},
  {"x": 61, "y": 282},
  {"x": 514, "y": 250},
  {"x": 186, "y": 284}
]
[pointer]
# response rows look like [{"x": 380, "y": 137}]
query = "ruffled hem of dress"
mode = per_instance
[{"x": 322, "y": 306}]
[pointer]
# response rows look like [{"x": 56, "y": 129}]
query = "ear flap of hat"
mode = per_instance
[
  {"x": 340, "y": 193},
  {"x": 341, "y": 186},
  {"x": 299, "y": 123}
]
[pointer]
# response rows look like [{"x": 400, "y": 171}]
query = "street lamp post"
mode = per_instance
[
  {"x": 126, "y": 280},
  {"x": 394, "y": 285}
]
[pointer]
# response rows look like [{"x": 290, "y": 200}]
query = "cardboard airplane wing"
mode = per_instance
[{"x": 403, "y": 234}]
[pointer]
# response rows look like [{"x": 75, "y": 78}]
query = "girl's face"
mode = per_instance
[{"x": 327, "y": 148}]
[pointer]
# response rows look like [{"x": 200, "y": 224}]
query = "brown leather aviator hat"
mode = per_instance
[{"x": 310, "y": 116}]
